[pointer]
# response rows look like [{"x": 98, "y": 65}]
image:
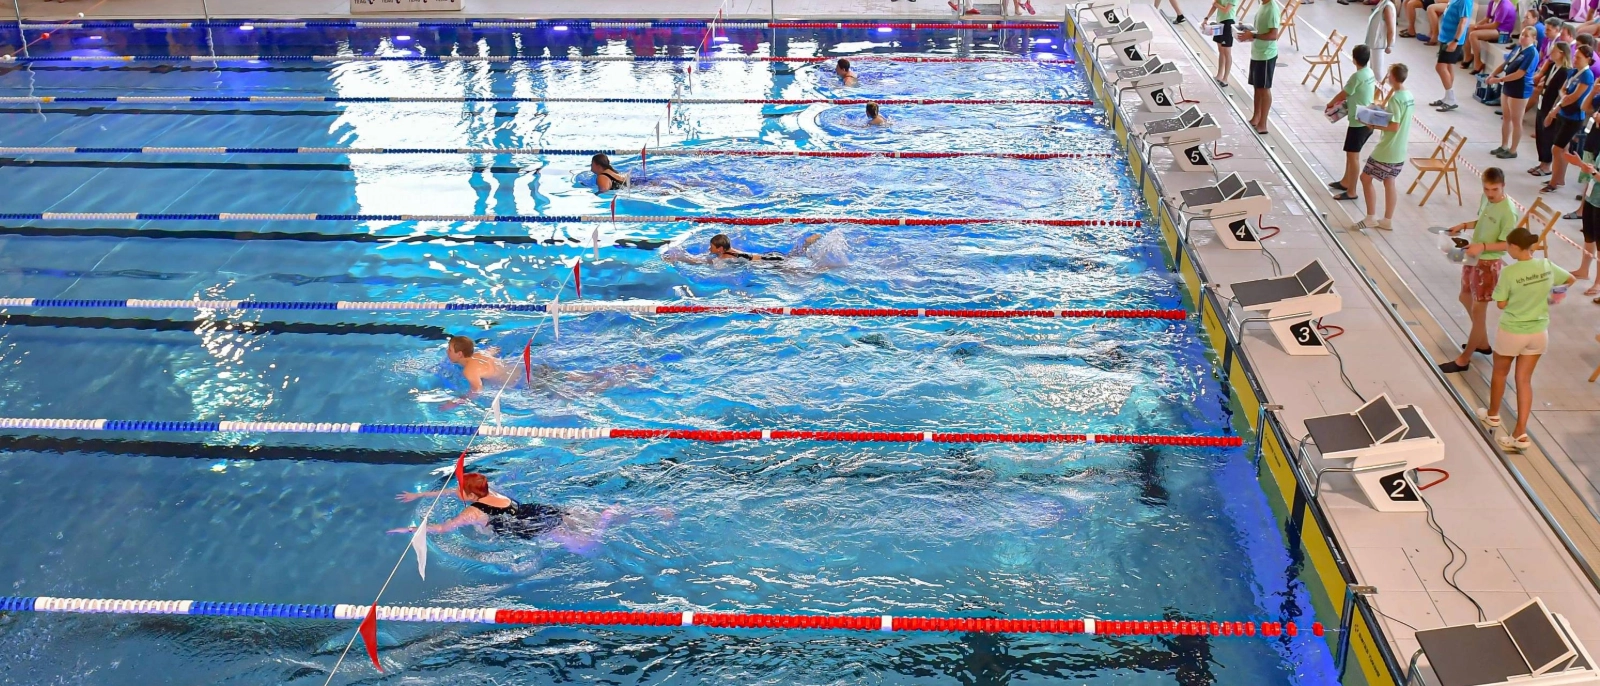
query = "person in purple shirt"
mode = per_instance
[{"x": 1496, "y": 27}]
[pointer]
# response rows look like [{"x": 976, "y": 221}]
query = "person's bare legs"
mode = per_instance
[
  {"x": 1352, "y": 171},
  {"x": 1263, "y": 107},
  {"x": 1511, "y": 124},
  {"x": 1391, "y": 195},
  {"x": 1447, "y": 76},
  {"x": 1525, "y": 365},
  {"x": 1478, "y": 337},
  {"x": 1475, "y": 52},
  {"x": 1497, "y": 384},
  {"x": 1435, "y": 11},
  {"x": 1366, "y": 192},
  {"x": 1409, "y": 16}
]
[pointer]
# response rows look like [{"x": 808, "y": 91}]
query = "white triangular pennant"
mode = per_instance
[
  {"x": 555, "y": 318},
  {"x": 494, "y": 409},
  {"x": 419, "y": 543},
  {"x": 594, "y": 238}
]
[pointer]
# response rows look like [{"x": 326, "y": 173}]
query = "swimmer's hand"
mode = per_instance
[
  {"x": 402, "y": 530},
  {"x": 408, "y": 497}
]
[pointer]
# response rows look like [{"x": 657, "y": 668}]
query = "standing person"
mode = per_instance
[
  {"x": 1223, "y": 9},
  {"x": 1554, "y": 72},
  {"x": 1357, "y": 93},
  {"x": 1452, "y": 32},
  {"x": 1389, "y": 158},
  {"x": 1264, "y": 59},
  {"x": 1516, "y": 76},
  {"x": 1526, "y": 290},
  {"x": 1175, "y": 10},
  {"x": 1496, "y": 27},
  {"x": 1590, "y": 211},
  {"x": 1496, "y": 219},
  {"x": 1380, "y": 35},
  {"x": 1567, "y": 116}
]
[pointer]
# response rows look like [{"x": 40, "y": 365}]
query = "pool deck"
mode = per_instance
[{"x": 1514, "y": 554}]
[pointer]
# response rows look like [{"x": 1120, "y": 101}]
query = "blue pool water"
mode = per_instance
[{"x": 991, "y": 530}]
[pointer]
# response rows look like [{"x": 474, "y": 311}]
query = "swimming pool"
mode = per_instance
[{"x": 985, "y": 530}]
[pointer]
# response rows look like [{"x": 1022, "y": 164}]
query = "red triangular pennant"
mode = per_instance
[
  {"x": 642, "y": 165},
  {"x": 461, "y": 466},
  {"x": 577, "y": 277},
  {"x": 369, "y": 634},
  {"x": 527, "y": 361}
]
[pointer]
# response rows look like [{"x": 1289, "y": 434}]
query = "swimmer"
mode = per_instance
[
  {"x": 722, "y": 249},
  {"x": 873, "y": 118},
  {"x": 606, "y": 177},
  {"x": 845, "y": 75},
  {"x": 478, "y": 366},
  {"x": 578, "y": 531}
]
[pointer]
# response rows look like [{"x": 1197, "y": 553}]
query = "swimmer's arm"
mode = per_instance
[
  {"x": 468, "y": 517},
  {"x": 409, "y": 496}
]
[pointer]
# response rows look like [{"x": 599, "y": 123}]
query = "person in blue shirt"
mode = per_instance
[
  {"x": 1452, "y": 34},
  {"x": 1567, "y": 116},
  {"x": 1516, "y": 75}
]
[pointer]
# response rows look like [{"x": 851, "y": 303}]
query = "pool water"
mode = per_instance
[{"x": 991, "y": 530}]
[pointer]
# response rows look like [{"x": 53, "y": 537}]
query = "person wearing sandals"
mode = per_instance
[
  {"x": 1515, "y": 75},
  {"x": 1223, "y": 9},
  {"x": 1554, "y": 72},
  {"x": 1567, "y": 116},
  {"x": 1525, "y": 293},
  {"x": 1357, "y": 93},
  {"x": 1497, "y": 26},
  {"x": 1410, "y": 13},
  {"x": 1497, "y": 217},
  {"x": 1388, "y": 159}
]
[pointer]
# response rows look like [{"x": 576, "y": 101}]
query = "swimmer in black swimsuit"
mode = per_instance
[
  {"x": 606, "y": 177},
  {"x": 873, "y": 118},
  {"x": 846, "y": 76},
  {"x": 498, "y": 513},
  {"x": 722, "y": 249}
]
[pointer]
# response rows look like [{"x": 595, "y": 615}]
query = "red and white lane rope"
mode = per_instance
[
  {"x": 615, "y": 152},
  {"x": 534, "y": 99}
]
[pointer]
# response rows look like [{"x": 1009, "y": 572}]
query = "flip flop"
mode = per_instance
[
  {"x": 1549, "y": 188},
  {"x": 1592, "y": 291},
  {"x": 1408, "y": 33},
  {"x": 1345, "y": 196}
]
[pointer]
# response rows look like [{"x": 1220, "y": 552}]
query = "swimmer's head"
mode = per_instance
[
  {"x": 843, "y": 67},
  {"x": 720, "y": 244},
  {"x": 473, "y": 486},
  {"x": 600, "y": 162},
  {"x": 872, "y": 110},
  {"x": 460, "y": 349}
]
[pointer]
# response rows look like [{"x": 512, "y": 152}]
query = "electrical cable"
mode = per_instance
[
  {"x": 1452, "y": 546},
  {"x": 1342, "y": 375}
]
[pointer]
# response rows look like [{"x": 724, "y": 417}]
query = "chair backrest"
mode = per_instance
[
  {"x": 1449, "y": 147},
  {"x": 1380, "y": 95},
  {"x": 1332, "y": 47},
  {"x": 1290, "y": 8},
  {"x": 1540, "y": 217},
  {"x": 1244, "y": 10}
]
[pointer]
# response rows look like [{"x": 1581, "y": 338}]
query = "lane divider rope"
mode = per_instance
[
  {"x": 238, "y": 99},
  {"x": 687, "y": 618},
  {"x": 534, "y": 24},
  {"x": 591, "y": 433},
  {"x": 550, "y": 219},
  {"x": 594, "y": 307},
  {"x": 335, "y": 59},
  {"x": 624, "y": 152}
]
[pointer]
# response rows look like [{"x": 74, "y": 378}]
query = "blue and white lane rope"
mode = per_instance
[
  {"x": 685, "y": 618},
  {"x": 584, "y": 152},
  {"x": 549, "y": 219},
  {"x": 340, "y": 59},
  {"x": 281, "y": 99},
  {"x": 579, "y": 307},
  {"x": 596, "y": 433}
]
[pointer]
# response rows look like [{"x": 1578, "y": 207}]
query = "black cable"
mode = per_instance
[
  {"x": 1450, "y": 545},
  {"x": 1342, "y": 375},
  {"x": 1385, "y": 615}
]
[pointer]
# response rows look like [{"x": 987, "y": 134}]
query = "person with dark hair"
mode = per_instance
[
  {"x": 1567, "y": 116},
  {"x": 873, "y": 117},
  {"x": 1389, "y": 156},
  {"x": 1516, "y": 76},
  {"x": 846, "y": 76},
  {"x": 1497, "y": 217},
  {"x": 606, "y": 177},
  {"x": 1554, "y": 70},
  {"x": 1524, "y": 294},
  {"x": 1222, "y": 36},
  {"x": 477, "y": 366},
  {"x": 577, "y": 530},
  {"x": 1357, "y": 93},
  {"x": 721, "y": 248}
]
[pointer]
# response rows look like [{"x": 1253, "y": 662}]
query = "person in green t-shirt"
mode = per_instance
[
  {"x": 1263, "y": 59},
  {"x": 1222, "y": 35},
  {"x": 1497, "y": 217},
  {"x": 1388, "y": 159},
  {"x": 1357, "y": 93},
  {"x": 1525, "y": 293}
]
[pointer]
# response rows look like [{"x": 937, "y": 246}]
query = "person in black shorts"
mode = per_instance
[
  {"x": 1554, "y": 71},
  {"x": 1223, "y": 36},
  {"x": 1568, "y": 115}
]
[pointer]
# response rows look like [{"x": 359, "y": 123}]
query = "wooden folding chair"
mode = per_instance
[
  {"x": 1541, "y": 219},
  {"x": 1443, "y": 163},
  {"x": 1328, "y": 59},
  {"x": 1291, "y": 8},
  {"x": 1595, "y": 375},
  {"x": 1245, "y": 11},
  {"x": 1380, "y": 95}
]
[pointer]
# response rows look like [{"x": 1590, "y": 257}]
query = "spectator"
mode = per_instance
[
  {"x": 1553, "y": 74},
  {"x": 1264, "y": 59},
  {"x": 1567, "y": 116},
  {"x": 1516, "y": 78},
  {"x": 1525, "y": 293},
  {"x": 1410, "y": 13},
  {"x": 1388, "y": 159},
  {"x": 1357, "y": 93},
  {"x": 1223, "y": 9},
  {"x": 1380, "y": 35},
  {"x": 1479, "y": 276},
  {"x": 1452, "y": 32},
  {"x": 1582, "y": 14},
  {"x": 1496, "y": 27},
  {"x": 1590, "y": 211}
]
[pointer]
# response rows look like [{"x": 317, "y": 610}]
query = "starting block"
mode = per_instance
[
  {"x": 1185, "y": 135},
  {"x": 1154, "y": 80},
  {"x": 1291, "y": 305}
]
